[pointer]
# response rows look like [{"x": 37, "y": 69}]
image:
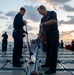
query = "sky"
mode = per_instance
[{"x": 63, "y": 8}]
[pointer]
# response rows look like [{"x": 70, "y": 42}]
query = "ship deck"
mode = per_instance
[{"x": 65, "y": 64}]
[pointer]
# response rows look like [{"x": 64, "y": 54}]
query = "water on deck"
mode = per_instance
[{"x": 65, "y": 64}]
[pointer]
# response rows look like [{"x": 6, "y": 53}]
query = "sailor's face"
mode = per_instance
[
  {"x": 22, "y": 12},
  {"x": 41, "y": 11}
]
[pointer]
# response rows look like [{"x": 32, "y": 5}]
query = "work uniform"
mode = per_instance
[
  {"x": 18, "y": 38},
  {"x": 52, "y": 37},
  {"x": 4, "y": 42},
  {"x": 62, "y": 44},
  {"x": 72, "y": 45}
]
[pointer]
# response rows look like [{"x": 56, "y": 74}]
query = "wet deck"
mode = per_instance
[{"x": 65, "y": 64}]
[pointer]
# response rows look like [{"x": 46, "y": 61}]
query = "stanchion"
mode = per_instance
[{"x": 34, "y": 72}]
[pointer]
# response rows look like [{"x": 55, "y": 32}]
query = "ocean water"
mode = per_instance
[
  {"x": 12, "y": 44},
  {"x": 9, "y": 43}
]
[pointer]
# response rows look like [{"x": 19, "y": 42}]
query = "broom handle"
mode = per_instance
[{"x": 28, "y": 42}]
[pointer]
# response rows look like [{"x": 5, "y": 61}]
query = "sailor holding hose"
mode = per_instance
[{"x": 49, "y": 24}]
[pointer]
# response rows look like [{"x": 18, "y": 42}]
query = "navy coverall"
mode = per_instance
[
  {"x": 4, "y": 42},
  {"x": 52, "y": 36},
  {"x": 18, "y": 38}
]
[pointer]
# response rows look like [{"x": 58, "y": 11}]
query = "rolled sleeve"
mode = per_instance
[{"x": 53, "y": 15}]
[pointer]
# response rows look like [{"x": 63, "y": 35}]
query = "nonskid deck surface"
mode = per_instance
[{"x": 65, "y": 62}]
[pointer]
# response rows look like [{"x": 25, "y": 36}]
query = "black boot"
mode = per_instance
[
  {"x": 17, "y": 65},
  {"x": 50, "y": 72},
  {"x": 44, "y": 66}
]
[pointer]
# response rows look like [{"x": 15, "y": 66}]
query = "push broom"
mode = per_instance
[{"x": 30, "y": 52}]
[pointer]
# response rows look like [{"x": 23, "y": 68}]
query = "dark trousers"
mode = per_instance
[
  {"x": 43, "y": 46},
  {"x": 73, "y": 47},
  {"x": 4, "y": 45},
  {"x": 17, "y": 51},
  {"x": 52, "y": 50}
]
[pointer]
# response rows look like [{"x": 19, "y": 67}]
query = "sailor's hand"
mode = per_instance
[
  {"x": 39, "y": 36},
  {"x": 41, "y": 25},
  {"x": 25, "y": 23},
  {"x": 23, "y": 35},
  {"x": 26, "y": 32}
]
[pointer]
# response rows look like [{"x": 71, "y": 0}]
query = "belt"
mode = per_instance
[{"x": 17, "y": 30}]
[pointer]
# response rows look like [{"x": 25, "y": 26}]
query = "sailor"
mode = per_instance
[
  {"x": 4, "y": 42},
  {"x": 18, "y": 37},
  {"x": 49, "y": 24}
]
